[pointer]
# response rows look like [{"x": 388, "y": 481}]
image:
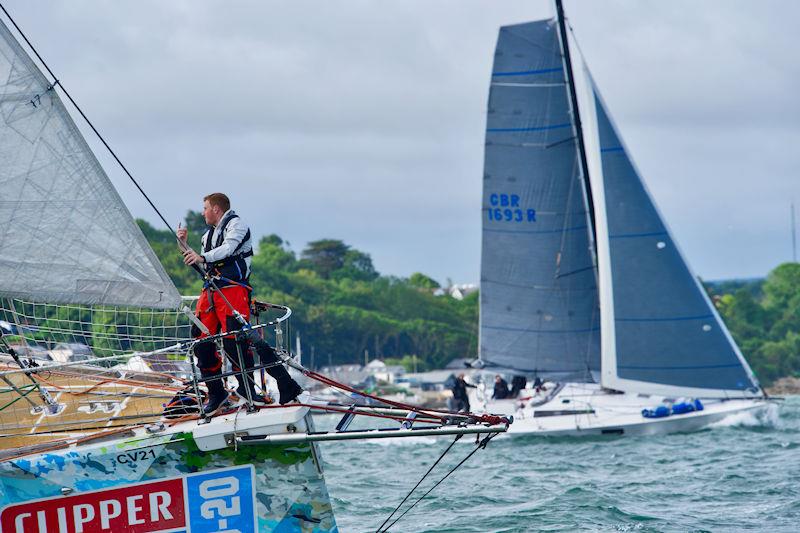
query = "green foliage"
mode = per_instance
[
  {"x": 764, "y": 318},
  {"x": 325, "y": 256},
  {"x": 342, "y": 306},
  {"x": 331, "y": 258},
  {"x": 166, "y": 248},
  {"x": 196, "y": 224},
  {"x": 421, "y": 281}
]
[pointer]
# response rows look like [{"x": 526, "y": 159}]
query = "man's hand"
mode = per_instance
[
  {"x": 190, "y": 257},
  {"x": 182, "y": 233}
]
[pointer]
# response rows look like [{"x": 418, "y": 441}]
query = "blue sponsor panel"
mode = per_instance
[{"x": 222, "y": 501}]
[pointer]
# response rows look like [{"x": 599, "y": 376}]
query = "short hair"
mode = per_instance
[{"x": 219, "y": 199}]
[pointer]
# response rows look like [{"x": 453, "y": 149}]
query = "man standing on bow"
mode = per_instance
[{"x": 227, "y": 253}]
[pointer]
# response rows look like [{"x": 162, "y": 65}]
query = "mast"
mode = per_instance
[{"x": 562, "y": 32}]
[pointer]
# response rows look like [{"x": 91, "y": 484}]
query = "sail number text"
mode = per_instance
[{"x": 507, "y": 208}]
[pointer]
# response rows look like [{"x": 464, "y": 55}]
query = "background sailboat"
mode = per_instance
[{"x": 581, "y": 282}]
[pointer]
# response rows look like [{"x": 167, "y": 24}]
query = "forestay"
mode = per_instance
[
  {"x": 668, "y": 336},
  {"x": 539, "y": 304},
  {"x": 66, "y": 235}
]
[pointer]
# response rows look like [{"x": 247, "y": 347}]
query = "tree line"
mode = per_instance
[
  {"x": 343, "y": 307},
  {"x": 764, "y": 318}
]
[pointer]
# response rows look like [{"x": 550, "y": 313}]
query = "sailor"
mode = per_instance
[
  {"x": 500, "y": 388},
  {"x": 226, "y": 257},
  {"x": 460, "y": 397},
  {"x": 518, "y": 384}
]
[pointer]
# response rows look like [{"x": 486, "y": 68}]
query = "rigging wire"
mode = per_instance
[
  {"x": 480, "y": 446},
  {"x": 485, "y": 418},
  {"x": 419, "y": 482},
  {"x": 57, "y": 82}
]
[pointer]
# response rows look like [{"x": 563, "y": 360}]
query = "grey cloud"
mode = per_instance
[{"x": 363, "y": 120}]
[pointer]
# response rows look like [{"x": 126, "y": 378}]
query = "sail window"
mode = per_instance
[{"x": 661, "y": 245}]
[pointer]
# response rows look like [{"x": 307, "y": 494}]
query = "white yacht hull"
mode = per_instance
[{"x": 585, "y": 409}]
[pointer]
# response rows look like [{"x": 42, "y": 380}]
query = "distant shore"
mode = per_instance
[{"x": 783, "y": 386}]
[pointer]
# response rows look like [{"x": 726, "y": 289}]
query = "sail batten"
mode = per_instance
[{"x": 67, "y": 236}]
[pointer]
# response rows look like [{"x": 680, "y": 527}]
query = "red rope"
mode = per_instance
[{"x": 486, "y": 418}]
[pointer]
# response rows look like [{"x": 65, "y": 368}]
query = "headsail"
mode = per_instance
[
  {"x": 66, "y": 235},
  {"x": 539, "y": 304},
  {"x": 668, "y": 338}
]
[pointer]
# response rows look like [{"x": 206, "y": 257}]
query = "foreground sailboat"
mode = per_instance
[
  {"x": 582, "y": 284},
  {"x": 100, "y": 426},
  {"x": 84, "y": 447}
]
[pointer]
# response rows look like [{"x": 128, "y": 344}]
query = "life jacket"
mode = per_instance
[{"x": 233, "y": 267}]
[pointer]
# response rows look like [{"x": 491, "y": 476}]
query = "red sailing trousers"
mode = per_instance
[{"x": 218, "y": 317}]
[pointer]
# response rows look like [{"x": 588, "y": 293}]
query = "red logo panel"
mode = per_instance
[{"x": 141, "y": 508}]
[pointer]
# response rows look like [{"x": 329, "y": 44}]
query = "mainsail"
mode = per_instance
[
  {"x": 539, "y": 302},
  {"x": 667, "y": 336},
  {"x": 66, "y": 235}
]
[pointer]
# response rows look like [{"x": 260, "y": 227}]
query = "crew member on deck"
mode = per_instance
[
  {"x": 227, "y": 253},
  {"x": 518, "y": 384},
  {"x": 460, "y": 397},
  {"x": 500, "y": 388}
]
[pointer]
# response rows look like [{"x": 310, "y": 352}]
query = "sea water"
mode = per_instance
[{"x": 741, "y": 475}]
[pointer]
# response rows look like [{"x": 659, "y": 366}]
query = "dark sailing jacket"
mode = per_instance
[
  {"x": 460, "y": 389},
  {"x": 228, "y": 249}
]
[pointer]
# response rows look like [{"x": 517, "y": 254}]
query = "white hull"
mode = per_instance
[{"x": 585, "y": 409}]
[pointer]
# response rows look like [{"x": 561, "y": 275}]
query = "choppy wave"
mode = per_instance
[
  {"x": 739, "y": 475},
  {"x": 769, "y": 418}
]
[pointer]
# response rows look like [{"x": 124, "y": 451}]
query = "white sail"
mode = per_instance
[{"x": 65, "y": 234}]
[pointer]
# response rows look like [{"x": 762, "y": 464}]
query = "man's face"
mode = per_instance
[{"x": 210, "y": 213}]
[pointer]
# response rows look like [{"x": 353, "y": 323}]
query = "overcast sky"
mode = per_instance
[{"x": 364, "y": 120}]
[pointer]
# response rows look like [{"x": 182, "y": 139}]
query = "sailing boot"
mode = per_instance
[
  {"x": 288, "y": 388},
  {"x": 217, "y": 395},
  {"x": 210, "y": 365}
]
